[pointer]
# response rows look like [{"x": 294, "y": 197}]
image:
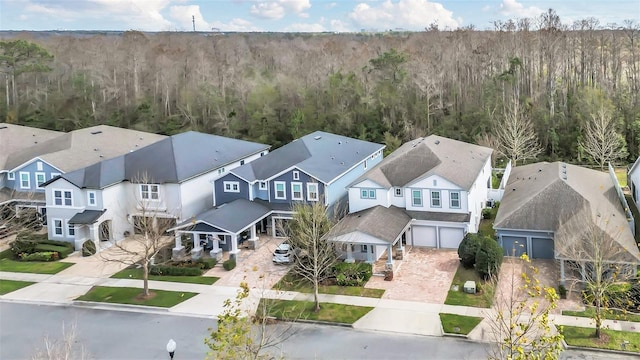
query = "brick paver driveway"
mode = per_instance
[{"x": 424, "y": 275}]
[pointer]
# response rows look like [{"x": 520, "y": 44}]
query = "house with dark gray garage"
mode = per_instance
[
  {"x": 430, "y": 192},
  {"x": 548, "y": 206}
]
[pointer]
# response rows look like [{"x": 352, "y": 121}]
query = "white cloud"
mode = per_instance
[
  {"x": 279, "y": 8},
  {"x": 331, "y": 5},
  {"x": 514, "y": 8},
  {"x": 236, "y": 24},
  {"x": 405, "y": 14},
  {"x": 301, "y": 27},
  {"x": 339, "y": 26}
]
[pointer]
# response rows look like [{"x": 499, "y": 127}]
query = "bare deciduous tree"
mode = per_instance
[
  {"x": 64, "y": 349},
  {"x": 601, "y": 140},
  {"x": 516, "y": 136}
]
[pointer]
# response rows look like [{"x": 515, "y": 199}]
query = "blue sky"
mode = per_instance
[{"x": 294, "y": 15}]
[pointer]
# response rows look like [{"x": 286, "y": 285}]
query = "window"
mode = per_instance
[
  {"x": 296, "y": 175},
  {"x": 40, "y": 178},
  {"x": 57, "y": 227},
  {"x": 367, "y": 194},
  {"x": 221, "y": 171},
  {"x": 454, "y": 200},
  {"x": 150, "y": 192},
  {"x": 54, "y": 175},
  {"x": 39, "y": 165},
  {"x": 435, "y": 199},
  {"x": 363, "y": 248},
  {"x": 91, "y": 198},
  {"x": 416, "y": 197},
  {"x": 263, "y": 185},
  {"x": 25, "y": 180},
  {"x": 231, "y": 186},
  {"x": 62, "y": 198},
  {"x": 312, "y": 192},
  {"x": 398, "y": 191},
  {"x": 296, "y": 191},
  {"x": 71, "y": 230},
  {"x": 11, "y": 176},
  {"x": 280, "y": 192}
]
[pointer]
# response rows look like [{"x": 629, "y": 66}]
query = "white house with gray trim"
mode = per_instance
[
  {"x": 167, "y": 179},
  {"x": 633, "y": 182},
  {"x": 440, "y": 184}
]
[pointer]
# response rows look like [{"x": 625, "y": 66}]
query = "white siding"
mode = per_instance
[
  {"x": 117, "y": 205},
  {"x": 196, "y": 196},
  {"x": 478, "y": 196},
  {"x": 357, "y": 203}
]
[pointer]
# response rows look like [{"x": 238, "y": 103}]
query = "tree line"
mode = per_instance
[{"x": 384, "y": 87}]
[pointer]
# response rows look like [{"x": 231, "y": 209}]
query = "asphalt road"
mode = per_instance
[{"x": 129, "y": 335}]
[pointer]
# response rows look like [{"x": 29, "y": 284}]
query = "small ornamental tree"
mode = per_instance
[
  {"x": 468, "y": 249},
  {"x": 489, "y": 257}
]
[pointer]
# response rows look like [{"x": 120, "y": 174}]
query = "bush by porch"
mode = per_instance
[
  {"x": 133, "y": 273},
  {"x": 134, "y": 296},
  {"x": 458, "y": 324},
  {"x": 304, "y": 310},
  {"x": 483, "y": 298},
  {"x": 292, "y": 282}
]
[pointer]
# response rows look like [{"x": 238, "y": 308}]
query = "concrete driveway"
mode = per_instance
[{"x": 424, "y": 275}]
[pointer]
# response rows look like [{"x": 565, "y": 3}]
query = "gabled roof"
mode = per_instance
[
  {"x": 634, "y": 167},
  {"x": 453, "y": 160},
  {"x": 83, "y": 147},
  {"x": 170, "y": 160},
  {"x": 545, "y": 196},
  {"x": 232, "y": 217},
  {"x": 383, "y": 223},
  {"x": 322, "y": 155},
  {"x": 16, "y": 138}
]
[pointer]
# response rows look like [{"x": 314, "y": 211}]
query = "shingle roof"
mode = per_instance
[
  {"x": 454, "y": 160},
  {"x": 83, "y": 147},
  {"x": 380, "y": 222},
  {"x": 170, "y": 160},
  {"x": 544, "y": 196},
  {"x": 322, "y": 155},
  {"x": 232, "y": 217},
  {"x": 86, "y": 217},
  {"x": 16, "y": 138}
]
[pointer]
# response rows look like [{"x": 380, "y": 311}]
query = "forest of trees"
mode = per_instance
[{"x": 564, "y": 82}]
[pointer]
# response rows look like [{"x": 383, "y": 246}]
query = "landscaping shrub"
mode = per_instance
[
  {"x": 40, "y": 256},
  {"x": 204, "y": 264},
  {"x": 468, "y": 249},
  {"x": 88, "y": 248},
  {"x": 562, "y": 291},
  {"x": 207, "y": 263},
  {"x": 174, "y": 271},
  {"x": 486, "y": 213},
  {"x": 353, "y": 274},
  {"x": 63, "y": 251},
  {"x": 229, "y": 264},
  {"x": 488, "y": 257},
  {"x": 19, "y": 247},
  {"x": 31, "y": 236}
]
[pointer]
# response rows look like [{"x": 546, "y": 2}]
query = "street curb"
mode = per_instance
[
  {"x": 459, "y": 336},
  {"x": 316, "y": 322},
  {"x": 618, "y": 352},
  {"x": 139, "y": 308}
]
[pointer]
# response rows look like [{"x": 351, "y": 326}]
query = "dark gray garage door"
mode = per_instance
[
  {"x": 509, "y": 243},
  {"x": 542, "y": 248}
]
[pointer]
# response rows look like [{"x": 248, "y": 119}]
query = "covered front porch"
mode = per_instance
[
  {"x": 87, "y": 225},
  {"x": 224, "y": 228}
]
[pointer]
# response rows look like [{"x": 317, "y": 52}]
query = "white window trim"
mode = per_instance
[
  {"x": 55, "y": 174},
  {"x": 231, "y": 185},
  {"x": 11, "y": 176},
  {"x": 309, "y": 192},
  {"x": 451, "y": 200},
  {"x": 431, "y": 192},
  {"x": 62, "y": 197},
  {"x": 150, "y": 198},
  {"x": 95, "y": 198},
  {"x": 68, "y": 234},
  {"x": 221, "y": 171},
  {"x": 275, "y": 190},
  {"x": 395, "y": 192},
  {"x": 53, "y": 228},
  {"x": 368, "y": 193},
  {"x": 264, "y": 185},
  {"x": 28, "y": 180},
  {"x": 293, "y": 196},
  {"x": 413, "y": 198},
  {"x": 44, "y": 179},
  {"x": 296, "y": 175}
]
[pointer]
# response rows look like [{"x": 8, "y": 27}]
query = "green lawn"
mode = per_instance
[
  {"x": 294, "y": 310},
  {"x": 621, "y": 174},
  {"x": 482, "y": 299},
  {"x": 137, "y": 274},
  {"x": 50, "y": 267},
  {"x": 611, "y": 339},
  {"x": 7, "y": 254},
  {"x": 608, "y": 314},
  {"x": 290, "y": 283},
  {"x": 126, "y": 295},
  {"x": 486, "y": 225},
  {"x": 7, "y": 286},
  {"x": 458, "y": 324}
]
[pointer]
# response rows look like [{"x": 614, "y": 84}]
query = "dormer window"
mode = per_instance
[
  {"x": 231, "y": 186},
  {"x": 296, "y": 175}
]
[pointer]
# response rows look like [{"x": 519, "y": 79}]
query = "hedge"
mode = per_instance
[
  {"x": 64, "y": 251},
  {"x": 174, "y": 271},
  {"x": 41, "y": 256}
]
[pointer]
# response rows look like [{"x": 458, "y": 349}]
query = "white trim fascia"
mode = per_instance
[{"x": 37, "y": 158}]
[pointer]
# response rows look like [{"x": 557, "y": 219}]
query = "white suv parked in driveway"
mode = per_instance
[{"x": 283, "y": 254}]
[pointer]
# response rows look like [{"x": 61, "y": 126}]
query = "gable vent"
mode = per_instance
[{"x": 96, "y": 132}]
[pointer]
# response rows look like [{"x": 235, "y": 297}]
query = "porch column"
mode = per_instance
[
  {"x": 582, "y": 272},
  {"x": 178, "y": 251},
  {"x": 369, "y": 256},
  {"x": 390, "y": 256},
  {"x": 253, "y": 238},
  {"x": 216, "y": 252},
  {"x": 562, "y": 277},
  {"x": 233, "y": 254},
  {"x": 349, "y": 258},
  {"x": 400, "y": 249},
  {"x": 196, "y": 252}
]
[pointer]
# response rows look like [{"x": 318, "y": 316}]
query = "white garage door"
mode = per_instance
[
  {"x": 450, "y": 238},
  {"x": 423, "y": 236}
]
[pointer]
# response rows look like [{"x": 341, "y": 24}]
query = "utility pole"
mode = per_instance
[{"x": 193, "y": 20}]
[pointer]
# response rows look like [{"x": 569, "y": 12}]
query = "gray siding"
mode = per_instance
[
  {"x": 223, "y": 197},
  {"x": 288, "y": 179},
  {"x": 31, "y": 169}
]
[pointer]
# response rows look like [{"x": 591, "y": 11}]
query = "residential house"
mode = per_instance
[
  {"x": 633, "y": 182},
  {"x": 430, "y": 191},
  {"x": 55, "y": 153},
  {"x": 169, "y": 179},
  {"x": 260, "y": 194},
  {"x": 545, "y": 200}
]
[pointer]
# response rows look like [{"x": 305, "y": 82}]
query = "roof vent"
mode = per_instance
[
  {"x": 141, "y": 138},
  {"x": 514, "y": 189},
  {"x": 96, "y": 149},
  {"x": 6, "y": 127},
  {"x": 35, "y": 142},
  {"x": 333, "y": 158},
  {"x": 96, "y": 132},
  {"x": 342, "y": 163},
  {"x": 339, "y": 142},
  {"x": 101, "y": 155},
  {"x": 437, "y": 142},
  {"x": 564, "y": 176},
  {"x": 318, "y": 137},
  {"x": 539, "y": 170}
]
